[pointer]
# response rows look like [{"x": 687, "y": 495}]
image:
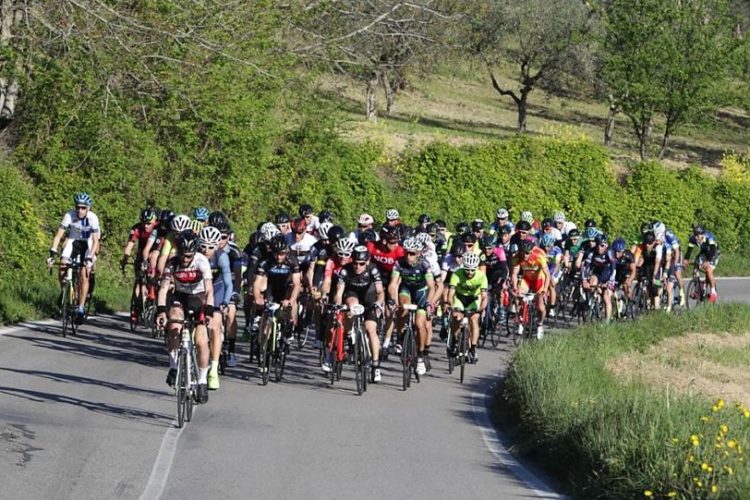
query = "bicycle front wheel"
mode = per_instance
[
  {"x": 406, "y": 359},
  {"x": 693, "y": 298},
  {"x": 463, "y": 352},
  {"x": 182, "y": 395},
  {"x": 359, "y": 363}
]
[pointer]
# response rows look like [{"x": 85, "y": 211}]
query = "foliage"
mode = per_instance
[
  {"x": 613, "y": 439},
  {"x": 667, "y": 58}
]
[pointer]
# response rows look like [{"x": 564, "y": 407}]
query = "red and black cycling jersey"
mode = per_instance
[
  {"x": 358, "y": 283},
  {"x": 141, "y": 232}
]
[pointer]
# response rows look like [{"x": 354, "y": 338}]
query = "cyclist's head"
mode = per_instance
[
  {"x": 389, "y": 234},
  {"x": 201, "y": 214},
  {"x": 526, "y": 246},
  {"x": 279, "y": 247},
  {"x": 325, "y": 216},
  {"x": 602, "y": 242},
  {"x": 547, "y": 241},
  {"x": 524, "y": 228},
  {"x": 527, "y": 216},
  {"x": 501, "y": 215},
  {"x": 471, "y": 262},
  {"x": 619, "y": 245},
  {"x": 424, "y": 219},
  {"x": 282, "y": 222},
  {"x": 299, "y": 224},
  {"x": 148, "y": 215},
  {"x": 574, "y": 235},
  {"x": 181, "y": 223},
  {"x": 488, "y": 242},
  {"x": 413, "y": 249},
  {"x": 462, "y": 228},
  {"x": 477, "y": 225},
  {"x": 699, "y": 231},
  {"x": 305, "y": 210},
  {"x": 209, "y": 239},
  {"x": 216, "y": 218},
  {"x": 458, "y": 249},
  {"x": 323, "y": 230},
  {"x": 335, "y": 234},
  {"x": 392, "y": 215},
  {"x": 165, "y": 219},
  {"x": 360, "y": 254},
  {"x": 589, "y": 223},
  {"x": 432, "y": 230},
  {"x": 344, "y": 247},
  {"x": 367, "y": 236},
  {"x": 187, "y": 244}
]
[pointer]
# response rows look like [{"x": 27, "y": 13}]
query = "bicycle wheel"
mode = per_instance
[
  {"x": 358, "y": 363},
  {"x": 694, "y": 296},
  {"x": 134, "y": 313},
  {"x": 463, "y": 347},
  {"x": 192, "y": 385},
  {"x": 406, "y": 359},
  {"x": 263, "y": 353},
  {"x": 497, "y": 327},
  {"x": 65, "y": 309},
  {"x": 181, "y": 388},
  {"x": 73, "y": 307}
]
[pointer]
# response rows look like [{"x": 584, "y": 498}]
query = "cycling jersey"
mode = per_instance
[
  {"x": 622, "y": 266},
  {"x": 188, "y": 280},
  {"x": 222, "y": 277},
  {"x": 301, "y": 249},
  {"x": 80, "y": 229},
  {"x": 496, "y": 265},
  {"x": 601, "y": 265},
  {"x": 168, "y": 244},
  {"x": 141, "y": 233},
  {"x": 361, "y": 286},
  {"x": 412, "y": 277},
  {"x": 533, "y": 262},
  {"x": 279, "y": 275},
  {"x": 709, "y": 248},
  {"x": 552, "y": 261},
  {"x": 384, "y": 256},
  {"x": 469, "y": 287}
]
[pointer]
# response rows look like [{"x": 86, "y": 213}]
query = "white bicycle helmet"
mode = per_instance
[
  {"x": 559, "y": 217},
  {"x": 209, "y": 238},
  {"x": 501, "y": 213},
  {"x": 392, "y": 214},
  {"x": 269, "y": 230},
  {"x": 527, "y": 216},
  {"x": 422, "y": 238},
  {"x": 181, "y": 223},
  {"x": 365, "y": 219},
  {"x": 323, "y": 230},
  {"x": 344, "y": 247},
  {"x": 659, "y": 230},
  {"x": 471, "y": 261},
  {"x": 412, "y": 245}
]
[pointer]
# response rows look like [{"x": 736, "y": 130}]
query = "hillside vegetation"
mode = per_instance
[{"x": 247, "y": 108}]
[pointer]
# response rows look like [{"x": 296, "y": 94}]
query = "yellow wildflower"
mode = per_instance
[
  {"x": 705, "y": 466},
  {"x": 695, "y": 440},
  {"x": 698, "y": 482},
  {"x": 691, "y": 458},
  {"x": 732, "y": 443},
  {"x": 705, "y": 419},
  {"x": 648, "y": 493},
  {"x": 724, "y": 428},
  {"x": 746, "y": 413},
  {"x": 675, "y": 440},
  {"x": 672, "y": 494},
  {"x": 720, "y": 403},
  {"x": 728, "y": 470},
  {"x": 714, "y": 488}
]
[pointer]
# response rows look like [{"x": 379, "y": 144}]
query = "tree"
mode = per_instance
[
  {"x": 668, "y": 58},
  {"x": 543, "y": 38},
  {"x": 372, "y": 41}
]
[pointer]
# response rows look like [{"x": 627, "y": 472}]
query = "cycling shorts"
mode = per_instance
[
  {"x": 532, "y": 283},
  {"x": 75, "y": 250},
  {"x": 468, "y": 303},
  {"x": 602, "y": 275},
  {"x": 417, "y": 296},
  {"x": 190, "y": 302}
]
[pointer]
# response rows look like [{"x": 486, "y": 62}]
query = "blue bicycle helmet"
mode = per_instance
[
  {"x": 82, "y": 199},
  {"x": 201, "y": 214},
  {"x": 547, "y": 240},
  {"x": 619, "y": 245},
  {"x": 590, "y": 233}
]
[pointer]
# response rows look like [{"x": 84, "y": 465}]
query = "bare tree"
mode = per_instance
[
  {"x": 542, "y": 38},
  {"x": 371, "y": 40}
]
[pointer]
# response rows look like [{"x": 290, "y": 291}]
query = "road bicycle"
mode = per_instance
[
  {"x": 458, "y": 349},
  {"x": 187, "y": 370},
  {"x": 493, "y": 317},
  {"x": 273, "y": 350},
  {"x": 69, "y": 296},
  {"x": 522, "y": 325},
  {"x": 698, "y": 290},
  {"x": 409, "y": 347},
  {"x": 305, "y": 318},
  {"x": 360, "y": 342}
]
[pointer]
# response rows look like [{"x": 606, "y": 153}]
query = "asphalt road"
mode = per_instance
[{"x": 90, "y": 417}]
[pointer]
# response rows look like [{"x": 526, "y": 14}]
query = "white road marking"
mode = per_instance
[
  {"x": 501, "y": 453},
  {"x": 163, "y": 464}
]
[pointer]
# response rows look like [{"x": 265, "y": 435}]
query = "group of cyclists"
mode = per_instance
[{"x": 196, "y": 265}]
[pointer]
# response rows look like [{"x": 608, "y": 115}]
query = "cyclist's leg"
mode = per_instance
[
  {"x": 231, "y": 332},
  {"x": 420, "y": 298}
]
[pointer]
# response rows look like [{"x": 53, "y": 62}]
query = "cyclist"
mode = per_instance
[
  {"x": 228, "y": 245},
  {"x": 503, "y": 240},
  {"x": 179, "y": 223},
  {"x": 81, "y": 244},
  {"x": 562, "y": 225},
  {"x": 385, "y": 253},
  {"x": 494, "y": 264},
  {"x": 312, "y": 222},
  {"x": 413, "y": 283},
  {"x": 441, "y": 239},
  {"x": 554, "y": 259},
  {"x": 152, "y": 249},
  {"x": 321, "y": 252},
  {"x": 392, "y": 217},
  {"x": 223, "y": 287},
  {"x": 325, "y": 216},
  {"x": 527, "y": 216},
  {"x": 548, "y": 227},
  {"x": 140, "y": 233},
  {"x": 257, "y": 253},
  {"x": 530, "y": 262},
  {"x": 282, "y": 223},
  {"x": 501, "y": 220},
  {"x": 422, "y": 221},
  {"x": 301, "y": 244},
  {"x": 708, "y": 255},
  {"x": 599, "y": 271},
  {"x": 477, "y": 227},
  {"x": 201, "y": 215},
  {"x": 571, "y": 248},
  {"x": 278, "y": 279},
  {"x": 344, "y": 248},
  {"x": 359, "y": 282},
  {"x": 523, "y": 232},
  {"x": 467, "y": 293},
  {"x": 190, "y": 274},
  {"x": 364, "y": 223},
  {"x": 645, "y": 262},
  {"x": 625, "y": 270}
]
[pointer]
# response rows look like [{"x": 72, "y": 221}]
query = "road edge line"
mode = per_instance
[
  {"x": 493, "y": 440},
  {"x": 157, "y": 481}
]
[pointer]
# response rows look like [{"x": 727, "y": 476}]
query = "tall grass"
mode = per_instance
[{"x": 607, "y": 438}]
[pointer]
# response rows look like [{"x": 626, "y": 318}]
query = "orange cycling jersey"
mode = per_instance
[{"x": 533, "y": 264}]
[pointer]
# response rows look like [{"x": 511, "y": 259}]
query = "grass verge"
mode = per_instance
[
  {"x": 733, "y": 265},
  {"x": 608, "y": 436}
]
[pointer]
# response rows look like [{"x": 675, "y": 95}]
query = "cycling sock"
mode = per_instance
[
  {"x": 231, "y": 344},
  {"x": 213, "y": 366},
  {"x": 386, "y": 343},
  {"x": 202, "y": 375},
  {"x": 173, "y": 359}
]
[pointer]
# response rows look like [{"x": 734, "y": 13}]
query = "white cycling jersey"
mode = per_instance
[
  {"x": 301, "y": 249},
  {"x": 80, "y": 229},
  {"x": 189, "y": 280}
]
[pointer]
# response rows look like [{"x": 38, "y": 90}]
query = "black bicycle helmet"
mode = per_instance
[
  {"x": 457, "y": 250},
  {"x": 424, "y": 219},
  {"x": 477, "y": 225},
  {"x": 282, "y": 218},
  {"x": 148, "y": 215},
  {"x": 574, "y": 233},
  {"x": 488, "y": 241},
  {"x": 601, "y": 238},
  {"x": 441, "y": 224},
  {"x": 217, "y": 218},
  {"x": 432, "y": 229},
  {"x": 325, "y": 216},
  {"x": 526, "y": 246},
  {"x": 279, "y": 244},
  {"x": 165, "y": 218},
  {"x": 305, "y": 209},
  {"x": 647, "y": 227},
  {"x": 335, "y": 234},
  {"x": 523, "y": 226},
  {"x": 462, "y": 227},
  {"x": 468, "y": 238},
  {"x": 589, "y": 223},
  {"x": 406, "y": 232},
  {"x": 187, "y": 242},
  {"x": 548, "y": 222},
  {"x": 698, "y": 230},
  {"x": 649, "y": 238},
  {"x": 360, "y": 253},
  {"x": 389, "y": 233},
  {"x": 367, "y": 236}
]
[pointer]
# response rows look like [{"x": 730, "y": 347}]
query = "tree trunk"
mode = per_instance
[
  {"x": 521, "y": 103},
  {"x": 371, "y": 111},
  {"x": 664, "y": 143},
  {"x": 10, "y": 16},
  {"x": 644, "y": 133},
  {"x": 390, "y": 93},
  {"x": 609, "y": 129}
]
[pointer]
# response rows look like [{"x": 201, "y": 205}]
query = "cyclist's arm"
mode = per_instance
[
  {"x": 128, "y": 249},
  {"x": 166, "y": 283},
  {"x": 209, "y": 284},
  {"x": 340, "y": 286},
  {"x": 95, "y": 243},
  {"x": 514, "y": 277},
  {"x": 296, "y": 286},
  {"x": 58, "y": 236},
  {"x": 394, "y": 284},
  {"x": 379, "y": 293},
  {"x": 226, "y": 277},
  {"x": 260, "y": 282},
  {"x": 431, "y": 288},
  {"x": 309, "y": 275},
  {"x": 547, "y": 278}
]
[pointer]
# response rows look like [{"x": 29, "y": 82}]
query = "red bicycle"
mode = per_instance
[{"x": 336, "y": 344}]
